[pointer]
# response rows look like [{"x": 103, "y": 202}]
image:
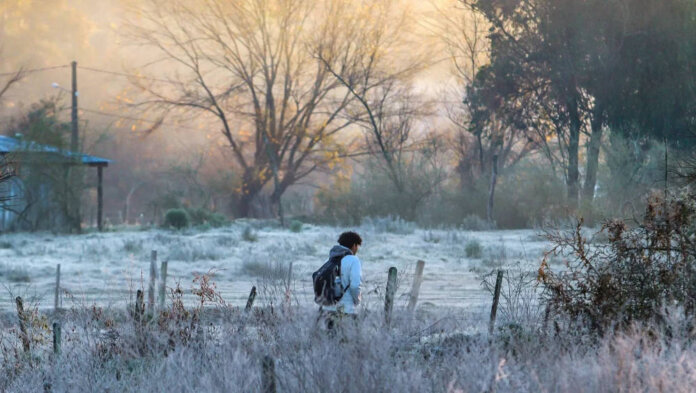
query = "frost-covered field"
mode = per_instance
[
  {"x": 434, "y": 350},
  {"x": 107, "y": 268}
]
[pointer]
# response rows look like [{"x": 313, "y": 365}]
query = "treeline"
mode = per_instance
[{"x": 553, "y": 108}]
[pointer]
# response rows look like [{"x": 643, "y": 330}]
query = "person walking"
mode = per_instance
[{"x": 344, "y": 296}]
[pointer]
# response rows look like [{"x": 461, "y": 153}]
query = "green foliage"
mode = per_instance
[
  {"x": 201, "y": 216},
  {"x": 176, "y": 218},
  {"x": 374, "y": 193},
  {"x": 529, "y": 195},
  {"x": 53, "y": 195},
  {"x": 473, "y": 249},
  {"x": 296, "y": 226}
]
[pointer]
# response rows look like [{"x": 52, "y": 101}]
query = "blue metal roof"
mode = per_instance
[{"x": 9, "y": 145}]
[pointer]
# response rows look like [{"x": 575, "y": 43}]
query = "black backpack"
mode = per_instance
[{"x": 325, "y": 291}]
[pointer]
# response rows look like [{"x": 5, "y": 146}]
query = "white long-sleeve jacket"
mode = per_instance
[{"x": 351, "y": 279}]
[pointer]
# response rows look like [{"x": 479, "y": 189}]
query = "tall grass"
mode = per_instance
[{"x": 434, "y": 352}]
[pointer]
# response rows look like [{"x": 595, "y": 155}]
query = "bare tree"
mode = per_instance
[
  {"x": 464, "y": 35},
  {"x": 251, "y": 66},
  {"x": 390, "y": 114}
]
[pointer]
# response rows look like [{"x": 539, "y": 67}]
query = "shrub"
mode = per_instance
[
  {"x": 202, "y": 217},
  {"x": 5, "y": 245},
  {"x": 249, "y": 234},
  {"x": 261, "y": 266},
  {"x": 389, "y": 224},
  {"x": 176, "y": 218},
  {"x": 472, "y": 222},
  {"x": 631, "y": 277},
  {"x": 14, "y": 274},
  {"x": 473, "y": 249},
  {"x": 296, "y": 226},
  {"x": 195, "y": 250},
  {"x": 132, "y": 245},
  {"x": 430, "y": 237},
  {"x": 528, "y": 195}
]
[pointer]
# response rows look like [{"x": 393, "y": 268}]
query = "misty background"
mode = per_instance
[{"x": 445, "y": 113}]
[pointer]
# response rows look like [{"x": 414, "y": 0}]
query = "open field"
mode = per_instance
[
  {"x": 106, "y": 268},
  {"x": 217, "y": 347}
]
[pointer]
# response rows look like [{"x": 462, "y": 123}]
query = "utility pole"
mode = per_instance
[
  {"x": 74, "y": 137},
  {"x": 74, "y": 190}
]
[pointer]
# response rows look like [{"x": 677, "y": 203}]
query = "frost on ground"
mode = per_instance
[
  {"x": 107, "y": 352},
  {"x": 107, "y": 268},
  {"x": 190, "y": 346}
]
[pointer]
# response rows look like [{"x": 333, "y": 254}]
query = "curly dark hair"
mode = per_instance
[{"x": 349, "y": 239}]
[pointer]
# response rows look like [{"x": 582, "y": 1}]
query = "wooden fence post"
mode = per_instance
[
  {"x": 250, "y": 301},
  {"x": 22, "y": 324},
  {"x": 288, "y": 288},
  {"x": 496, "y": 298},
  {"x": 151, "y": 287},
  {"x": 139, "y": 308},
  {"x": 389, "y": 298},
  {"x": 56, "y": 303},
  {"x": 417, "y": 281},
  {"x": 268, "y": 377},
  {"x": 547, "y": 314},
  {"x": 163, "y": 285},
  {"x": 56, "y": 337}
]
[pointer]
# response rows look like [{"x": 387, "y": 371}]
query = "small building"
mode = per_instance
[{"x": 37, "y": 196}]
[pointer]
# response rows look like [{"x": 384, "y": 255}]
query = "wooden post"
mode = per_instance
[
  {"x": 268, "y": 378},
  {"x": 100, "y": 196},
  {"x": 547, "y": 314},
  {"x": 22, "y": 324},
  {"x": 288, "y": 286},
  {"x": 56, "y": 303},
  {"x": 56, "y": 337},
  {"x": 151, "y": 287},
  {"x": 491, "y": 189},
  {"x": 250, "y": 301},
  {"x": 163, "y": 284},
  {"x": 389, "y": 298},
  {"x": 417, "y": 281},
  {"x": 139, "y": 308},
  {"x": 496, "y": 298}
]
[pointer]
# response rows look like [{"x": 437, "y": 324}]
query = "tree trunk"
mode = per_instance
[
  {"x": 573, "y": 148},
  {"x": 592, "y": 164},
  {"x": 276, "y": 196},
  {"x": 491, "y": 190},
  {"x": 249, "y": 191}
]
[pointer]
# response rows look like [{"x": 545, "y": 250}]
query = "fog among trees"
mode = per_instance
[{"x": 511, "y": 112}]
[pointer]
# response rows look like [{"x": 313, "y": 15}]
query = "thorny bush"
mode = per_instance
[{"x": 640, "y": 269}]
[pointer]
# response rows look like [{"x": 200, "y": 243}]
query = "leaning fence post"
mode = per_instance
[
  {"x": 496, "y": 298},
  {"x": 151, "y": 287},
  {"x": 163, "y": 284},
  {"x": 22, "y": 324},
  {"x": 250, "y": 301},
  {"x": 389, "y": 298},
  {"x": 56, "y": 302},
  {"x": 268, "y": 378},
  {"x": 56, "y": 337},
  {"x": 417, "y": 281}
]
